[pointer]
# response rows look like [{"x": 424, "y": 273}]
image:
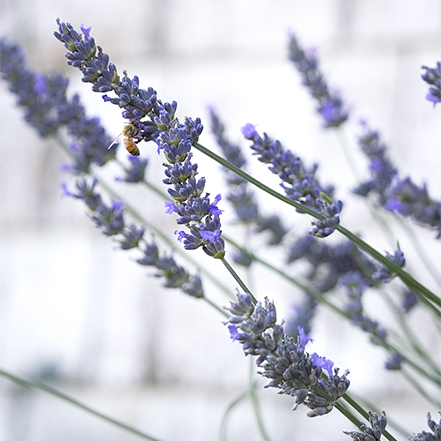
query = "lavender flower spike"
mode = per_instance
[
  {"x": 432, "y": 76},
  {"x": 373, "y": 433},
  {"x": 385, "y": 274},
  {"x": 299, "y": 183},
  {"x": 330, "y": 105},
  {"x": 111, "y": 221},
  {"x": 283, "y": 359},
  {"x": 155, "y": 121},
  {"x": 427, "y": 436}
]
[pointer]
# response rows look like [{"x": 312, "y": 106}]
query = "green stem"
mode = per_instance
[
  {"x": 312, "y": 292},
  {"x": 420, "y": 389},
  {"x": 427, "y": 296},
  {"x": 403, "y": 275},
  {"x": 411, "y": 338},
  {"x": 238, "y": 279},
  {"x": 232, "y": 405},
  {"x": 255, "y": 403},
  {"x": 58, "y": 394},
  {"x": 211, "y": 303}
]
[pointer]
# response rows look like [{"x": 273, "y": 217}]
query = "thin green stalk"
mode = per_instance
[
  {"x": 420, "y": 389},
  {"x": 50, "y": 390},
  {"x": 426, "y": 295},
  {"x": 211, "y": 303},
  {"x": 312, "y": 292},
  {"x": 255, "y": 403},
  {"x": 233, "y": 404},
  {"x": 411, "y": 338},
  {"x": 238, "y": 279},
  {"x": 420, "y": 250}
]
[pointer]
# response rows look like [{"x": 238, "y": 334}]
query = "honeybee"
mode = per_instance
[{"x": 129, "y": 132}]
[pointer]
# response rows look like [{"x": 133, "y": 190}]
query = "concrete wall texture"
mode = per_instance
[{"x": 84, "y": 317}]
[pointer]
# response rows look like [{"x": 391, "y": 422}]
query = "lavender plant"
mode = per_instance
[{"x": 280, "y": 353}]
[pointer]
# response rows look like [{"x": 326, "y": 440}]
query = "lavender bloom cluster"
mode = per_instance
[
  {"x": 432, "y": 76},
  {"x": 195, "y": 210},
  {"x": 402, "y": 196},
  {"x": 111, "y": 222},
  {"x": 47, "y": 109},
  {"x": 283, "y": 359},
  {"x": 240, "y": 195},
  {"x": 427, "y": 436},
  {"x": 299, "y": 183},
  {"x": 373, "y": 433},
  {"x": 330, "y": 105}
]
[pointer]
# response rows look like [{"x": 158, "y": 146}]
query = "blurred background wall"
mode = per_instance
[{"x": 84, "y": 317}]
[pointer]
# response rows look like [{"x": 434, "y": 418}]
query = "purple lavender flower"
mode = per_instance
[
  {"x": 408, "y": 300},
  {"x": 135, "y": 172},
  {"x": 283, "y": 359},
  {"x": 412, "y": 201},
  {"x": 394, "y": 362},
  {"x": 111, "y": 221},
  {"x": 427, "y": 436},
  {"x": 299, "y": 183},
  {"x": 385, "y": 274},
  {"x": 301, "y": 316},
  {"x": 241, "y": 197},
  {"x": 382, "y": 170},
  {"x": 161, "y": 125},
  {"x": 432, "y": 76},
  {"x": 373, "y": 433},
  {"x": 47, "y": 109},
  {"x": 398, "y": 195},
  {"x": 355, "y": 284},
  {"x": 330, "y": 105}
]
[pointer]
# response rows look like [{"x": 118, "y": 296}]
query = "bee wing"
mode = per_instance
[{"x": 115, "y": 141}]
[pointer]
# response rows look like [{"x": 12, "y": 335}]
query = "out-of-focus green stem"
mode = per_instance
[{"x": 64, "y": 397}]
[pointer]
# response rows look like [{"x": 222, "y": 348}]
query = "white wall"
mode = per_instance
[{"x": 72, "y": 305}]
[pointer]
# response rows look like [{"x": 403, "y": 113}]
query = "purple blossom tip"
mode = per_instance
[
  {"x": 323, "y": 363},
  {"x": 433, "y": 99},
  {"x": 249, "y": 131},
  {"x": 40, "y": 84},
  {"x": 181, "y": 235},
  {"x": 170, "y": 207},
  {"x": 65, "y": 191},
  {"x": 85, "y": 31},
  {"x": 303, "y": 338},
  {"x": 212, "y": 236},
  {"x": 118, "y": 206},
  {"x": 213, "y": 209},
  {"x": 234, "y": 333}
]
